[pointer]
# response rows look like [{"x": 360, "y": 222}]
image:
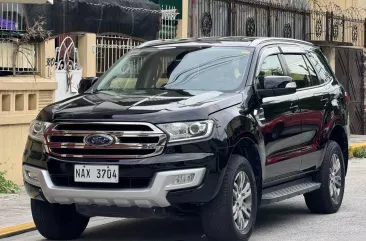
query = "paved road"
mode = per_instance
[{"x": 289, "y": 220}]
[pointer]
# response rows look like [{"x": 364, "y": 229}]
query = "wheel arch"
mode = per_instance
[
  {"x": 242, "y": 137},
  {"x": 339, "y": 135},
  {"x": 247, "y": 146}
]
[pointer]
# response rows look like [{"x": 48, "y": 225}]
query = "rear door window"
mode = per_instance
[
  {"x": 314, "y": 79},
  {"x": 321, "y": 66}
]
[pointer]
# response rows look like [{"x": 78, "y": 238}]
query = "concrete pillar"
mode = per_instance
[
  {"x": 46, "y": 53},
  {"x": 87, "y": 54},
  {"x": 184, "y": 23},
  {"x": 180, "y": 29}
]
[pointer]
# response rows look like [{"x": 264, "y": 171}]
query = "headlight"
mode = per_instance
[
  {"x": 187, "y": 131},
  {"x": 37, "y": 129}
]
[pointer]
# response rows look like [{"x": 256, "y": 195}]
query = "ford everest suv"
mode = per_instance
[{"x": 214, "y": 127}]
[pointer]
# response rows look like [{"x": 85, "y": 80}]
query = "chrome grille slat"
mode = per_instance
[
  {"x": 134, "y": 133},
  {"x": 134, "y": 144},
  {"x": 114, "y": 146}
]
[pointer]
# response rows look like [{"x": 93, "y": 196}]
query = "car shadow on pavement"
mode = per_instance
[
  {"x": 277, "y": 215},
  {"x": 269, "y": 217}
]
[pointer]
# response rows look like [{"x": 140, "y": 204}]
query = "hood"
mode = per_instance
[{"x": 153, "y": 106}]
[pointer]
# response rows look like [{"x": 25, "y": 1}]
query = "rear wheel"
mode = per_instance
[
  {"x": 231, "y": 215},
  {"x": 328, "y": 199},
  {"x": 58, "y": 222}
]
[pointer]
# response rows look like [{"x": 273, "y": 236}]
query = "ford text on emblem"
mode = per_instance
[{"x": 99, "y": 140}]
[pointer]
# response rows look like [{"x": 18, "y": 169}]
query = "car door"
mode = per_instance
[
  {"x": 313, "y": 101},
  {"x": 315, "y": 149},
  {"x": 279, "y": 119}
]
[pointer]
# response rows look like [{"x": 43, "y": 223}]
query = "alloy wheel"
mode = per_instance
[
  {"x": 335, "y": 178},
  {"x": 242, "y": 201}
]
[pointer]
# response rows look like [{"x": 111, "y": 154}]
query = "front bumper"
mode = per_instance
[{"x": 153, "y": 196}]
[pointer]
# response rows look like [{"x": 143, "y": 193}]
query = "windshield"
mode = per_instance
[{"x": 179, "y": 68}]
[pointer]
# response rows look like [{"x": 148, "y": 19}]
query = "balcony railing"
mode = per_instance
[{"x": 12, "y": 17}]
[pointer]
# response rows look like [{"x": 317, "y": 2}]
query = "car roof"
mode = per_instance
[{"x": 241, "y": 41}]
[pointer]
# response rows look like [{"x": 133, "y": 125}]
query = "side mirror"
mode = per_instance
[
  {"x": 277, "y": 86},
  {"x": 86, "y": 84}
]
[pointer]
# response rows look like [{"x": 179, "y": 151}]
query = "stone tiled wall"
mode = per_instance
[{"x": 21, "y": 98}]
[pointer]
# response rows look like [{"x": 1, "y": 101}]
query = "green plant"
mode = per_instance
[
  {"x": 7, "y": 186},
  {"x": 359, "y": 152}
]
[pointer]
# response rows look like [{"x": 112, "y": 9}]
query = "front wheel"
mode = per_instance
[
  {"x": 231, "y": 215},
  {"x": 328, "y": 199},
  {"x": 58, "y": 222}
]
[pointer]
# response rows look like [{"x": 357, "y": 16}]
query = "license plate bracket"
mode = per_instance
[{"x": 96, "y": 173}]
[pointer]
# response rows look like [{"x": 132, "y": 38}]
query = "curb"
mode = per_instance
[{"x": 15, "y": 230}]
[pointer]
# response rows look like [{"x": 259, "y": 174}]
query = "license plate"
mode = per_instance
[{"x": 96, "y": 174}]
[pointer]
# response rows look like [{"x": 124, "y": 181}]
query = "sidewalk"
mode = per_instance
[
  {"x": 15, "y": 209},
  {"x": 357, "y": 139}
]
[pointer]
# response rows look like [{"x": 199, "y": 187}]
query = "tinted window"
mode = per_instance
[
  {"x": 314, "y": 80},
  {"x": 179, "y": 68},
  {"x": 271, "y": 66},
  {"x": 298, "y": 70},
  {"x": 321, "y": 66}
]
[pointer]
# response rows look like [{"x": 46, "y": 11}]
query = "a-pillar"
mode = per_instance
[{"x": 87, "y": 54}]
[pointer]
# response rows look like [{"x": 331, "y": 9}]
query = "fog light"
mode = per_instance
[
  {"x": 33, "y": 176},
  {"x": 183, "y": 179}
]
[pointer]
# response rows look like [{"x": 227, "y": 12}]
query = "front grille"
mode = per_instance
[
  {"x": 129, "y": 140},
  {"x": 105, "y": 127},
  {"x": 100, "y": 152},
  {"x": 80, "y": 139}
]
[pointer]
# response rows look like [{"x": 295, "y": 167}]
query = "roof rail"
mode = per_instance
[
  {"x": 255, "y": 40},
  {"x": 287, "y": 40}
]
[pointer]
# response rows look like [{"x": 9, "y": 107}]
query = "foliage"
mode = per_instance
[
  {"x": 358, "y": 152},
  {"x": 6, "y": 186},
  {"x": 36, "y": 32}
]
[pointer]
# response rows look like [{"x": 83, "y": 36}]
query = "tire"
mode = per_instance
[
  {"x": 218, "y": 216},
  {"x": 58, "y": 222},
  {"x": 323, "y": 200}
]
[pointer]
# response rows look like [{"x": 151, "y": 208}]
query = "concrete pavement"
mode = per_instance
[
  {"x": 289, "y": 220},
  {"x": 357, "y": 139},
  {"x": 15, "y": 209}
]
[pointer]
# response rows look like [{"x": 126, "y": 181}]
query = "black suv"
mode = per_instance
[{"x": 213, "y": 127}]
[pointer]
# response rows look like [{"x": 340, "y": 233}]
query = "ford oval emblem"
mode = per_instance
[{"x": 99, "y": 140}]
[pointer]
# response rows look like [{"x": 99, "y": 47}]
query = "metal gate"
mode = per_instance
[
  {"x": 112, "y": 47},
  {"x": 68, "y": 69},
  {"x": 350, "y": 72},
  {"x": 249, "y": 18}
]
